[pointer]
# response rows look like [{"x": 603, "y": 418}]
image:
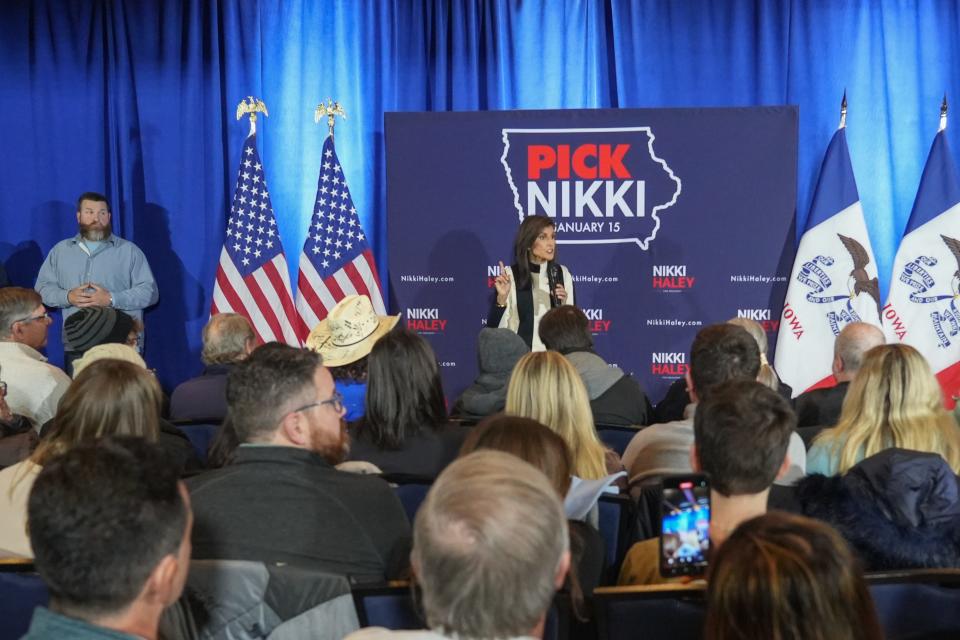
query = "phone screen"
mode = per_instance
[{"x": 684, "y": 525}]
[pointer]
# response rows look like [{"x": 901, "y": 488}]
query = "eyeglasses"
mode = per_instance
[
  {"x": 335, "y": 401},
  {"x": 42, "y": 316}
]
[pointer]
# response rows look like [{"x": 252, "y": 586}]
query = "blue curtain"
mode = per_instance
[{"x": 137, "y": 99}]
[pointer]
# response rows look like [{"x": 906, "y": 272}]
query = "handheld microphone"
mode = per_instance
[{"x": 554, "y": 277}]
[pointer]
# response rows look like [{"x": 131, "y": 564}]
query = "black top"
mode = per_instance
[
  {"x": 425, "y": 454},
  {"x": 524, "y": 308},
  {"x": 671, "y": 408},
  {"x": 284, "y": 504},
  {"x": 821, "y": 407}
]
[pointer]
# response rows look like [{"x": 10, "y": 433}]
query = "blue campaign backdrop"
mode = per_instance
[
  {"x": 668, "y": 219},
  {"x": 137, "y": 99}
]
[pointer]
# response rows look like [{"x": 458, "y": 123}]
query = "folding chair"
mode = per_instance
[
  {"x": 615, "y": 513},
  {"x": 922, "y": 603},
  {"x": 660, "y": 612},
  {"x": 412, "y": 490},
  {"x": 616, "y": 437},
  {"x": 21, "y": 591}
]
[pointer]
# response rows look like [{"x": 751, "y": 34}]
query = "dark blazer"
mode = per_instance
[
  {"x": 203, "y": 397},
  {"x": 284, "y": 504},
  {"x": 820, "y": 407}
]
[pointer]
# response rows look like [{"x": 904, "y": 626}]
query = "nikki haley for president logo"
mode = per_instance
[
  {"x": 425, "y": 320},
  {"x": 602, "y": 185}
]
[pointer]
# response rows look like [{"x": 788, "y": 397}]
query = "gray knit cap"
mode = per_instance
[{"x": 91, "y": 326}]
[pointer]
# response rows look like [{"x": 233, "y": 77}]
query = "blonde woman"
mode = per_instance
[
  {"x": 545, "y": 387},
  {"x": 767, "y": 376},
  {"x": 895, "y": 401},
  {"x": 109, "y": 397}
]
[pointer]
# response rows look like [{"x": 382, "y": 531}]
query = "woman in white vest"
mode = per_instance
[{"x": 533, "y": 284}]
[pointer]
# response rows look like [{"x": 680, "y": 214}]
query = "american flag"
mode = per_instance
[
  {"x": 336, "y": 259},
  {"x": 252, "y": 277}
]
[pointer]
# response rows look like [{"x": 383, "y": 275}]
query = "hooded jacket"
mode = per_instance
[
  {"x": 615, "y": 397},
  {"x": 898, "y": 509},
  {"x": 498, "y": 350}
]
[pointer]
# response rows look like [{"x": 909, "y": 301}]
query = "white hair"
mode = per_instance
[{"x": 488, "y": 542}]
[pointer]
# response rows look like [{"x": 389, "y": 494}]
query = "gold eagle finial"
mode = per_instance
[
  {"x": 331, "y": 110},
  {"x": 251, "y": 106}
]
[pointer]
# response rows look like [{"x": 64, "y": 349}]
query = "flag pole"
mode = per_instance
[
  {"x": 330, "y": 110},
  {"x": 943, "y": 114},
  {"x": 251, "y": 106},
  {"x": 843, "y": 111}
]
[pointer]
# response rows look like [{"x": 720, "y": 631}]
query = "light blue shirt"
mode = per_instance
[
  {"x": 824, "y": 457},
  {"x": 820, "y": 460},
  {"x": 116, "y": 265}
]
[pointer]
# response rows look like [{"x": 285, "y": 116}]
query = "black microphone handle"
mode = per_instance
[{"x": 553, "y": 275}]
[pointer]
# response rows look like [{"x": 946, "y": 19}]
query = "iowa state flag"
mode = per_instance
[
  {"x": 925, "y": 287},
  {"x": 834, "y": 276}
]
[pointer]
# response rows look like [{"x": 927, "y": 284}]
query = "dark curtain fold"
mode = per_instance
[{"x": 137, "y": 98}]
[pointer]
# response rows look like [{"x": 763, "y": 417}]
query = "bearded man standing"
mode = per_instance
[
  {"x": 95, "y": 268},
  {"x": 282, "y": 498}
]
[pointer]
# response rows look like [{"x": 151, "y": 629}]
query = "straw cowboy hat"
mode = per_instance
[
  {"x": 349, "y": 331},
  {"x": 107, "y": 351}
]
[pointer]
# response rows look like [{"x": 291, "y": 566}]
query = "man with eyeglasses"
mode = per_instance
[
  {"x": 34, "y": 387},
  {"x": 282, "y": 498},
  {"x": 95, "y": 268}
]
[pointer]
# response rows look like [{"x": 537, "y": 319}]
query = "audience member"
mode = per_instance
[
  {"x": 898, "y": 509},
  {"x": 742, "y": 432},
  {"x": 33, "y": 387},
  {"x": 894, "y": 401},
  {"x": 546, "y": 387},
  {"x": 93, "y": 326},
  {"x": 616, "y": 398},
  {"x": 821, "y": 407},
  {"x": 223, "y": 445},
  {"x": 108, "y": 352},
  {"x": 404, "y": 428},
  {"x": 489, "y": 551},
  {"x": 674, "y": 403},
  {"x": 110, "y": 524},
  {"x": 720, "y": 353},
  {"x": 545, "y": 450},
  {"x": 95, "y": 268},
  {"x": 108, "y": 398},
  {"x": 228, "y": 338},
  {"x": 172, "y": 438},
  {"x": 767, "y": 374},
  {"x": 282, "y": 500},
  {"x": 498, "y": 351},
  {"x": 344, "y": 338},
  {"x": 785, "y": 576},
  {"x": 17, "y": 435}
]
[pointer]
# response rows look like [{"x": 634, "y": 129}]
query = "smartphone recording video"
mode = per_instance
[{"x": 684, "y": 525}]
